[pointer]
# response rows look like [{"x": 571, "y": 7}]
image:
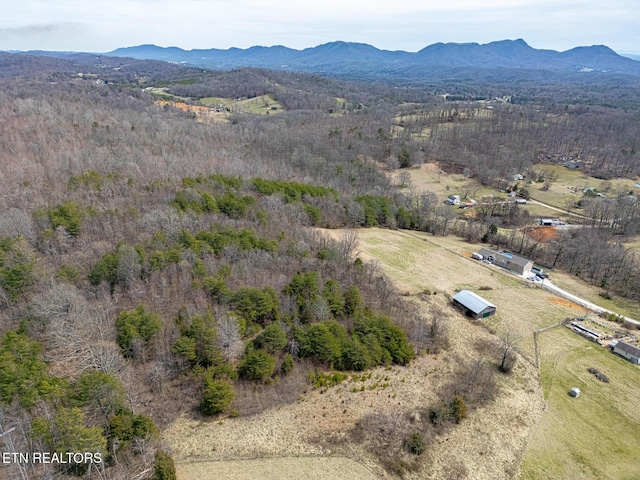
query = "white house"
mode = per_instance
[{"x": 628, "y": 351}]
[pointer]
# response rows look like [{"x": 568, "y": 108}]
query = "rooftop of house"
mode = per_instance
[
  {"x": 512, "y": 257},
  {"x": 628, "y": 348}
]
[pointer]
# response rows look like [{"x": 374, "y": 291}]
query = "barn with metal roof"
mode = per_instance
[{"x": 473, "y": 304}]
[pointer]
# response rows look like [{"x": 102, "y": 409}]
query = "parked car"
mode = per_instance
[{"x": 539, "y": 272}]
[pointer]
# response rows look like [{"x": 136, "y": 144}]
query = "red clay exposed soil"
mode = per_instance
[{"x": 542, "y": 234}]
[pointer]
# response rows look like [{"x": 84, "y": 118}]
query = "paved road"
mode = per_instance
[{"x": 580, "y": 301}]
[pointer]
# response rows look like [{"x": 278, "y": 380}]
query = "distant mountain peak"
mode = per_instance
[{"x": 340, "y": 57}]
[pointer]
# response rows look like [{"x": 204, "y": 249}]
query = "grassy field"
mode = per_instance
[
  {"x": 430, "y": 178},
  {"x": 570, "y": 183},
  {"x": 417, "y": 262},
  {"x": 262, "y": 105},
  {"x": 595, "y": 436}
]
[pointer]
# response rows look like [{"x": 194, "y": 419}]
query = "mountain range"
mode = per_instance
[{"x": 363, "y": 59}]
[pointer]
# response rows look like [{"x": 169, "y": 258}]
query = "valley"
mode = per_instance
[{"x": 208, "y": 274}]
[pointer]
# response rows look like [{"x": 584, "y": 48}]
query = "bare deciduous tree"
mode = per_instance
[
  {"x": 507, "y": 350},
  {"x": 229, "y": 339}
]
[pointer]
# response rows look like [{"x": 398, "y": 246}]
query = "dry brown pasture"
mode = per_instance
[{"x": 287, "y": 441}]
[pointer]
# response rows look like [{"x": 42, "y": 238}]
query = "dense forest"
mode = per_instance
[{"x": 152, "y": 263}]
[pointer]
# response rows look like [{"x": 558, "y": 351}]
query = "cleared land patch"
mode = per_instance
[{"x": 567, "y": 303}]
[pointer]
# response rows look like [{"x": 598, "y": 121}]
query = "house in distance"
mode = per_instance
[
  {"x": 510, "y": 261},
  {"x": 628, "y": 351},
  {"x": 473, "y": 305}
]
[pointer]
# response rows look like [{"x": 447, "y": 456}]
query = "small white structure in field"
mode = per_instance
[
  {"x": 453, "y": 200},
  {"x": 575, "y": 392}
]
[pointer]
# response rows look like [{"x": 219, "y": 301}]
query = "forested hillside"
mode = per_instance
[{"x": 153, "y": 262}]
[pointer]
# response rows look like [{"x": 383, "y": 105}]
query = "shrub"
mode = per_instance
[
  {"x": 22, "y": 371},
  {"x": 68, "y": 215},
  {"x": 199, "y": 340},
  {"x": 389, "y": 336},
  {"x": 331, "y": 293},
  {"x": 356, "y": 356},
  {"x": 127, "y": 427},
  {"x": 163, "y": 467},
  {"x": 314, "y": 214},
  {"x": 66, "y": 433},
  {"x": 68, "y": 273},
  {"x": 233, "y": 206},
  {"x": 404, "y": 158},
  {"x": 254, "y": 305},
  {"x": 304, "y": 287},
  {"x": 217, "y": 396},
  {"x": 320, "y": 341},
  {"x": 288, "y": 364},
  {"x": 437, "y": 416},
  {"x": 105, "y": 270},
  {"x": 417, "y": 444},
  {"x": 257, "y": 365},
  {"x": 323, "y": 380},
  {"x": 100, "y": 391},
  {"x": 185, "y": 346},
  {"x": 377, "y": 210},
  {"x": 353, "y": 302},
  {"x": 458, "y": 408}
]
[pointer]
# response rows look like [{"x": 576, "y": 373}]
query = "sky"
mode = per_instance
[{"x": 409, "y": 25}]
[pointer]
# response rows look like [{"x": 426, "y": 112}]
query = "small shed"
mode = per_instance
[
  {"x": 574, "y": 392},
  {"x": 628, "y": 351},
  {"x": 473, "y": 304}
]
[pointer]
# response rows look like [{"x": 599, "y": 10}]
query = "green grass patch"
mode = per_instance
[
  {"x": 595, "y": 436},
  {"x": 214, "y": 101}
]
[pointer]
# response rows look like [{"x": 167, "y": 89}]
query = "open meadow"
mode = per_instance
[
  {"x": 417, "y": 262},
  {"x": 594, "y": 436}
]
